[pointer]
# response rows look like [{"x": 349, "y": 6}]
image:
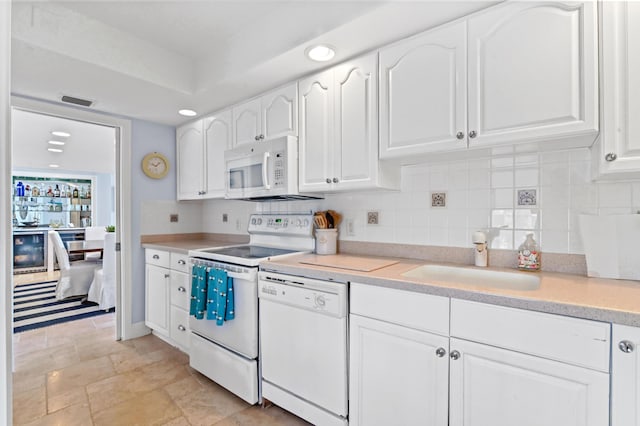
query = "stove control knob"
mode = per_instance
[
  {"x": 259, "y": 221},
  {"x": 306, "y": 222},
  {"x": 321, "y": 301},
  {"x": 253, "y": 221},
  {"x": 298, "y": 223}
]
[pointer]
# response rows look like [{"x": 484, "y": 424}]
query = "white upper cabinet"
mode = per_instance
[
  {"x": 200, "y": 151},
  {"x": 423, "y": 91},
  {"x": 339, "y": 130},
  {"x": 617, "y": 154},
  {"x": 266, "y": 117},
  {"x": 190, "y": 171},
  {"x": 522, "y": 71},
  {"x": 533, "y": 70}
]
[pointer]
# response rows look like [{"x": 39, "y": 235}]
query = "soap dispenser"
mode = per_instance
[
  {"x": 479, "y": 239},
  {"x": 529, "y": 255}
]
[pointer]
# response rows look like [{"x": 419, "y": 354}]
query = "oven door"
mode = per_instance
[{"x": 240, "y": 334}]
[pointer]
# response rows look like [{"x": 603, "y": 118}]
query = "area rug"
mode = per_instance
[{"x": 35, "y": 306}]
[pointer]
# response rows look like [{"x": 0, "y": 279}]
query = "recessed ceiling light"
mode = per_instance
[
  {"x": 187, "y": 112},
  {"x": 54, "y": 166},
  {"x": 56, "y": 142},
  {"x": 320, "y": 53},
  {"x": 61, "y": 134},
  {"x": 54, "y": 150}
]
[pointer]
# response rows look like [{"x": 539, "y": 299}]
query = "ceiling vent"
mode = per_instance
[{"x": 76, "y": 101}]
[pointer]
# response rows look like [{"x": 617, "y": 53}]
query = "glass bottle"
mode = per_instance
[
  {"x": 56, "y": 192},
  {"x": 75, "y": 192},
  {"x": 529, "y": 255},
  {"x": 35, "y": 191},
  {"x": 49, "y": 191}
]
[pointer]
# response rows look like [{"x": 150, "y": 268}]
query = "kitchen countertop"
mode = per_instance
[
  {"x": 609, "y": 300},
  {"x": 182, "y": 243}
]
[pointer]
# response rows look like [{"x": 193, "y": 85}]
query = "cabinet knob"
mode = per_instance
[
  {"x": 155, "y": 256},
  {"x": 454, "y": 355},
  {"x": 257, "y": 137},
  {"x": 181, "y": 262},
  {"x": 612, "y": 156},
  {"x": 440, "y": 352},
  {"x": 626, "y": 346},
  {"x": 336, "y": 180},
  {"x": 167, "y": 275},
  {"x": 181, "y": 327},
  {"x": 472, "y": 134},
  {"x": 460, "y": 135},
  {"x": 328, "y": 180},
  {"x": 261, "y": 136},
  {"x": 182, "y": 289}
]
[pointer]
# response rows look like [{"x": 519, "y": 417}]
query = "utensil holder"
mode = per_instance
[{"x": 326, "y": 241}]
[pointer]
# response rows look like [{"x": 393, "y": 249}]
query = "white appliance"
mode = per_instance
[
  {"x": 228, "y": 354},
  {"x": 264, "y": 171},
  {"x": 303, "y": 346}
]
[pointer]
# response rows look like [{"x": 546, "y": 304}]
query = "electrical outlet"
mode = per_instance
[
  {"x": 372, "y": 218},
  {"x": 225, "y": 218},
  {"x": 173, "y": 217},
  {"x": 351, "y": 228}
]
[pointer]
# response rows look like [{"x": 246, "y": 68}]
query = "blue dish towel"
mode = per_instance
[
  {"x": 198, "y": 291},
  {"x": 220, "y": 299}
]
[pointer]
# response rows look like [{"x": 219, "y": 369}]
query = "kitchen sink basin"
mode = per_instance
[{"x": 480, "y": 277}]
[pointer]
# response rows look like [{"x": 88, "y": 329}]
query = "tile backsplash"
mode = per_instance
[{"x": 481, "y": 194}]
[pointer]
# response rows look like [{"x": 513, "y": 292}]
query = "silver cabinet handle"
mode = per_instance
[
  {"x": 454, "y": 355},
  {"x": 261, "y": 136},
  {"x": 440, "y": 352},
  {"x": 336, "y": 180},
  {"x": 155, "y": 256},
  {"x": 460, "y": 135},
  {"x": 626, "y": 346},
  {"x": 472, "y": 134},
  {"x": 257, "y": 137},
  {"x": 181, "y": 262},
  {"x": 182, "y": 289},
  {"x": 181, "y": 327},
  {"x": 612, "y": 156},
  {"x": 328, "y": 180},
  {"x": 167, "y": 275}
]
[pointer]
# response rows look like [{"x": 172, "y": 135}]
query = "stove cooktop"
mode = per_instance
[{"x": 249, "y": 252}]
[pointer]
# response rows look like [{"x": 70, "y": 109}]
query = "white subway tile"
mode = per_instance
[
  {"x": 502, "y": 178},
  {"x": 502, "y": 162},
  {"x": 550, "y": 157},
  {"x": 580, "y": 173},
  {"x": 526, "y": 160},
  {"x": 583, "y": 196},
  {"x": 554, "y": 242},
  {"x": 438, "y": 236},
  {"x": 458, "y": 179},
  {"x": 459, "y": 237},
  {"x": 555, "y": 219},
  {"x": 479, "y": 199},
  {"x": 501, "y": 239},
  {"x": 457, "y": 199},
  {"x": 580, "y": 155},
  {"x": 478, "y": 219},
  {"x": 502, "y": 218},
  {"x": 554, "y": 174},
  {"x": 502, "y": 198},
  {"x": 479, "y": 178},
  {"x": 527, "y": 219},
  {"x": 526, "y": 177},
  {"x": 554, "y": 196},
  {"x": 614, "y": 195}
]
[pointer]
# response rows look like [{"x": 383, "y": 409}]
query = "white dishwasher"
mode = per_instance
[{"x": 303, "y": 346}]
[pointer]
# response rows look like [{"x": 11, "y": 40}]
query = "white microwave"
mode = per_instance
[{"x": 264, "y": 171}]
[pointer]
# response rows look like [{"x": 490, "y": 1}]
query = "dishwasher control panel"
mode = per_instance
[{"x": 324, "y": 297}]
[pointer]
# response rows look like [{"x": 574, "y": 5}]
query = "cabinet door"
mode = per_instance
[
  {"x": 280, "y": 112},
  {"x": 625, "y": 376},
  {"x": 396, "y": 377},
  {"x": 423, "y": 93},
  {"x": 316, "y": 132},
  {"x": 491, "y": 386},
  {"x": 355, "y": 159},
  {"x": 620, "y": 153},
  {"x": 157, "y": 298},
  {"x": 533, "y": 72},
  {"x": 217, "y": 137},
  {"x": 190, "y": 171},
  {"x": 180, "y": 332},
  {"x": 246, "y": 122}
]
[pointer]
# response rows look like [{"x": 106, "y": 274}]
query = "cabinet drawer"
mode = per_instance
[
  {"x": 180, "y": 262},
  {"x": 180, "y": 332},
  {"x": 157, "y": 257},
  {"x": 180, "y": 290},
  {"x": 575, "y": 341},
  {"x": 407, "y": 308}
]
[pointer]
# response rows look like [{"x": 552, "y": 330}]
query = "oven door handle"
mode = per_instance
[{"x": 265, "y": 170}]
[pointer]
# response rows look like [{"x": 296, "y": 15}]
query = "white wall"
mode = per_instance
[
  {"x": 5, "y": 216},
  {"x": 481, "y": 194}
]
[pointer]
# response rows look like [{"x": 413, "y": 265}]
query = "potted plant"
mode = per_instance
[{"x": 110, "y": 228}]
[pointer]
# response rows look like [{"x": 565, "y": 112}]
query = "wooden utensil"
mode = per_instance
[
  {"x": 337, "y": 217},
  {"x": 320, "y": 221}
]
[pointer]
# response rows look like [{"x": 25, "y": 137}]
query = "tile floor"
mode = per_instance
[{"x": 77, "y": 374}]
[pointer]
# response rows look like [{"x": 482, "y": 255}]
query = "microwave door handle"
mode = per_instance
[{"x": 265, "y": 170}]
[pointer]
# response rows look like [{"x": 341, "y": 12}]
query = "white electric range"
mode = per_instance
[{"x": 228, "y": 354}]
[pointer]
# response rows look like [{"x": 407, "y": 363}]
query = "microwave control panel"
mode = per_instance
[{"x": 279, "y": 169}]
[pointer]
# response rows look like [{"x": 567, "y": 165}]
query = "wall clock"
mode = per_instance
[{"x": 155, "y": 165}]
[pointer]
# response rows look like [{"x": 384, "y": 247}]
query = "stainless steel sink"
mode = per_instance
[{"x": 480, "y": 277}]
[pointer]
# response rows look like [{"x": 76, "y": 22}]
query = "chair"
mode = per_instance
[
  {"x": 75, "y": 279},
  {"x": 94, "y": 233},
  {"x": 103, "y": 287}
]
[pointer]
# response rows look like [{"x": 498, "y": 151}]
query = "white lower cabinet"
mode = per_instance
[
  {"x": 396, "y": 375},
  {"x": 167, "y": 296},
  {"x": 499, "y": 366},
  {"x": 625, "y": 376}
]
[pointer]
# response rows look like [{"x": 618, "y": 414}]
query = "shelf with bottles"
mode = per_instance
[{"x": 31, "y": 186}]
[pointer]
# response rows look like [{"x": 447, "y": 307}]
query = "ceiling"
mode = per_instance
[
  {"x": 90, "y": 148},
  {"x": 147, "y": 59}
]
